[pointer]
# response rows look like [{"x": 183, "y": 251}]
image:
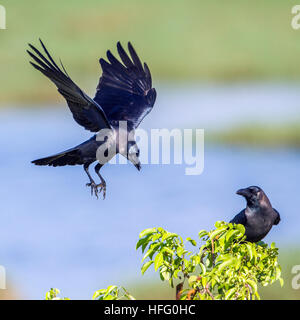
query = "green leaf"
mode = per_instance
[
  {"x": 168, "y": 235},
  {"x": 146, "y": 266},
  {"x": 193, "y": 242},
  {"x": 229, "y": 294},
  {"x": 147, "y": 231},
  {"x": 98, "y": 293},
  {"x": 241, "y": 228},
  {"x": 151, "y": 251},
  {"x": 226, "y": 263},
  {"x": 143, "y": 242},
  {"x": 273, "y": 245},
  {"x": 230, "y": 235},
  {"x": 168, "y": 250},
  {"x": 180, "y": 251},
  {"x": 165, "y": 275},
  {"x": 250, "y": 252},
  {"x": 252, "y": 284},
  {"x": 203, "y": 269},
  {"x": 195, "y": 260},
  {"x": 217, "y": 232},
  {"x": 110, "y": 289},
  {"x": 52, "y": 294},
  {"x": 202, "y": 233},
  {"x": 158, "y": 260},
  {"x": 192, "y": 279},
  {"x": 219, "y": 224}
]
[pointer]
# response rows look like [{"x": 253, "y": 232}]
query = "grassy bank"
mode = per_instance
[
  {"x": 181, "y": 40},
  {"x": 258, "y": 135}
]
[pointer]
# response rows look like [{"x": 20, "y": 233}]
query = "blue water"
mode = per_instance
[{"x": 54, "y": 234}]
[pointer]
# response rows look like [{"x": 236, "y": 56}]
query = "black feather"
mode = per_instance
[
  {"x": 125, "y": 89},
  {"x": 85, "y": 110}
]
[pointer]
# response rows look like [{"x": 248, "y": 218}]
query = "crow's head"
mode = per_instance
[
  {"x": 254, "y": 195},
  {"x": 133, "y": 153},
  {"x": 127, "y": 146}
]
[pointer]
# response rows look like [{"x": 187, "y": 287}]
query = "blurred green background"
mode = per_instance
[
  {"x": 181, "y": 40},
  {"x": 194, "y": 41},
  {"x": 220, "y": 43}
]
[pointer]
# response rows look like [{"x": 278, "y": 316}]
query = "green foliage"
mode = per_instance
[
  {"x": 112, "y": 293},
  {"x": 224, "y": 267},
  {"x": 260, "y": 135},
  {"x": 242, "y": 42},
  {"x": 53, "y": 293}
]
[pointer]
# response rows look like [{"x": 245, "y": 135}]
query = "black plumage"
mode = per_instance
[
  {"x": 123, "y": 89},
  {"x": 258, "y": 217},
  {"x": 85, "y": 111},
  {"x": 124, "y": 93}
]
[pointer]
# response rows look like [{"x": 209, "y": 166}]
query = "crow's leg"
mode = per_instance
[
  {"x": 102, "y": 185},
  {"x": 92, "y": 184}
]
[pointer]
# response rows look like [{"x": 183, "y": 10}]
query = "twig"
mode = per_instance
[
  {"x": 208, "y": 291},
  {"x": 250, "y": 290},
  {"x": 212, "y": 253},
  {"x": 179, "y": 290}
]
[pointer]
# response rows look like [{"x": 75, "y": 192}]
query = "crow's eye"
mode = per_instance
[
  {"x": 253, "y": 190},
  {"x": 138, "y": 153}
]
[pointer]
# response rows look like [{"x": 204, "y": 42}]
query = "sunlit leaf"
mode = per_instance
[
  {"x": 146, "y": 266},
  {"x": 193, "y": 242},
  {"x": 147, "y": 231},
  {"x": 158, "y": 260}
]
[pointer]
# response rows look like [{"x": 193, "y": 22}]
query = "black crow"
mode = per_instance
[
  {"x": 259, "y": 216},
  {"x": 124, "y": 95}
]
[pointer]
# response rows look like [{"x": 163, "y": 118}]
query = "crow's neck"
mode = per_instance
[{"x": 252, "y": 206}]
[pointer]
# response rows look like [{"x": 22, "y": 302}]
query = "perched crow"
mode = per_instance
[
  {"x": 259, "y": 216},
  {"x": 124, "y": 95}
]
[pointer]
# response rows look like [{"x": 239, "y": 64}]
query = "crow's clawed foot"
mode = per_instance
[
  {"x": 102, "y": 187},
  {"x": 94, "y": 188}
]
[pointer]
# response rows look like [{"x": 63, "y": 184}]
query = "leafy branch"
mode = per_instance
[
  {"x": 224, "y": 267},
  {"x": 110, "y": 293},
  {"x": 113, "y": 293}
]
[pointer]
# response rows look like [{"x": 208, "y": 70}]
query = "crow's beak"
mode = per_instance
[
  {"x": 138, "y": 166},
  {"x": 243, "y": 192}
]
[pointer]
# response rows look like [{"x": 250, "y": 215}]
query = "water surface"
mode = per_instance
[{"x": 54, "y": 234}]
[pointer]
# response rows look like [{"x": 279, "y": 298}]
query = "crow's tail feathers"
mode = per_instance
[{"x": 69, "y": 157}]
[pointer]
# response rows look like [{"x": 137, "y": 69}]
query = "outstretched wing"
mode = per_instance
[
  {"x": 85, "y": 110},
  {"x": 240, "y": 218},
  {"x": 125, "y": 90}
]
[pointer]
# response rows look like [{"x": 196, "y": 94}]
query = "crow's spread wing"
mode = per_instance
[
  {"x": 125, "y": 89},
  {"x": 85, "y": 110},
  {"x": 240, "y": 218}
]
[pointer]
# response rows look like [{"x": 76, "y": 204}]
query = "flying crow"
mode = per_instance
[
  {"x": 123, "y": 98},
  {"x": 259, "y": 216}
]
